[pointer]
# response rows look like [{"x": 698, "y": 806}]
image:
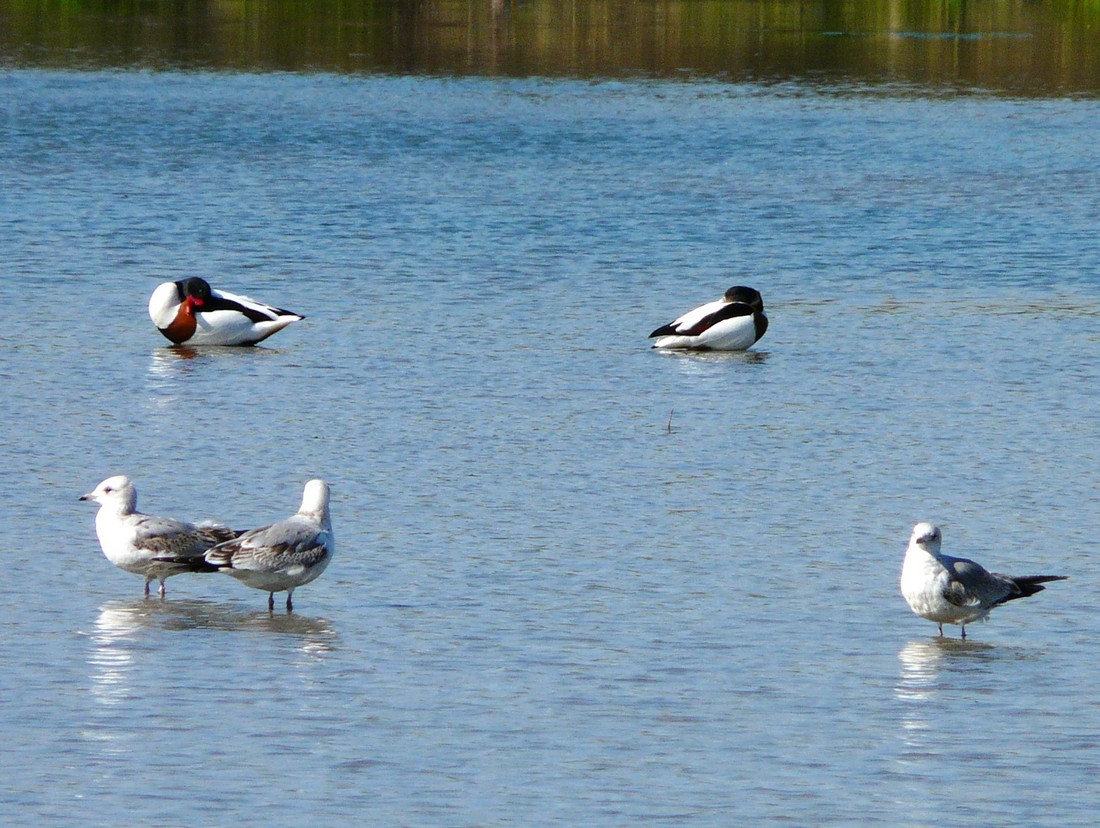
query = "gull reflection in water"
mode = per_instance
[
  {"x": 122, "y": 627},
  {"x": 112, "y": 657},
  {"x": 922, "y": 663}
]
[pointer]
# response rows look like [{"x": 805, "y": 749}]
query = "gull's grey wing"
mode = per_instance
[
  {"x": 215, "y": 533},
  {"x": 170, "y": 539},
  {"x": 288, "y": 543},
  {"x": 970, "y": 585}
]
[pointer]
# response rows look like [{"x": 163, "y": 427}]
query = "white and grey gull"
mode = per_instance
[
  {"x": 284, "y": 555},
  {"x": 949, "y": 590},
  {"x": 733, "y": 323},
  {"x": 154, "y": 547}
]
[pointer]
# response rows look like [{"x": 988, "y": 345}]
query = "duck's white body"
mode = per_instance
[
  {"x": 949, "y": 590},
  {"x": 153, "y": 547},
  {"x": 190, "y": 312},
  {"x": 733, "y": 323},
  {"x": 286, "y": 554}
]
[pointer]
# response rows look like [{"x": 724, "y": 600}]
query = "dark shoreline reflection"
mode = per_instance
[{"x": 1020, "y": 48}]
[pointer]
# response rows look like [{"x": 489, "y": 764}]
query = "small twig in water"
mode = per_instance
[{"x": 670, "y": 420}]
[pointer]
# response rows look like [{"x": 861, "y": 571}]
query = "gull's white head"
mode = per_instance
[
  {"x": 315, "y": 497},
  {"x": 926, "y": 536},
  {"x": 117, "y": 492}
]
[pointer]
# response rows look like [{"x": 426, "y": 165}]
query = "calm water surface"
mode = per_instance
[
  {"x": 549, "y": 605},
  {"x": 1019, "y": 47}
]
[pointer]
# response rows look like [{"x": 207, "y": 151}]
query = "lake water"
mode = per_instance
[{"x": 577, "y": 582}]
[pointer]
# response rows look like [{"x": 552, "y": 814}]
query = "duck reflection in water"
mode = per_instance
[
  {"x": 177, "y": 360},
  {"x": 172, "y": 368},
  {"x": 718, "y": 357}
]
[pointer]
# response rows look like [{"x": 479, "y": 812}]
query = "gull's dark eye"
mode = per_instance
[{"x": 107, "y": 490}]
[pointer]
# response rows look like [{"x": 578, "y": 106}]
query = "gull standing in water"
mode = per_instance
[
  {"x": 154, "y": 547},
  {"x": 286, "y": 554},
  {"x": 733, "y": 323},
  {"x": 950, "y": 590}
]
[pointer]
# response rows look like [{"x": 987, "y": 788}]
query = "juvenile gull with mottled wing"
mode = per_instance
[{"x": 286, "y": 554}]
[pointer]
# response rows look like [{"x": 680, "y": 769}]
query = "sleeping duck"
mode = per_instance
[
  {"x": 190, "y": 312},
  {"x": 733, "y": 323}
]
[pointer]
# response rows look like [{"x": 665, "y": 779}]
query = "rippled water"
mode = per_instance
[{"x": 577, "y": 581}]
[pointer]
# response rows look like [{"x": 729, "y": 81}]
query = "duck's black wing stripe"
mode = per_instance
[
  {"x": 217, "y": 303},
  {"x": 664, "y": 330},
  {"x": 730, "y": 311}
]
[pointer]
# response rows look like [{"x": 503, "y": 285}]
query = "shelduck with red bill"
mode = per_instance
[{"x": 190, "y": 312}]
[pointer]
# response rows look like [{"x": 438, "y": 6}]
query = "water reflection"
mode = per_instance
[
  {"x": 111, "y": 658},
  {"x": 712, "y": 363},
  {"x": 124, "y": 618},
  {"x": 174, "y": 361},
  {"x": 1020, "y": 46},
  {"x": 709, "y": 365},
  {"x": 922, "y": 662},
  {"x": 715, "y": 357},
  {"x": 172, "y": 365},
  {"x": 122, "y": 626}
]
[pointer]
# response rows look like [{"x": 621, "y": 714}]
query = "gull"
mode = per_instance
[
  {"x": 284, "y": 555},
  {"x": 956, "y": 590},
  {"x": 190, "y": 312},
  {"x": 147, "y": 545},
  {"x": 733, "y": 323}
]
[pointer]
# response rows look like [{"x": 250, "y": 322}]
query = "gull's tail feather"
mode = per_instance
[
  {"x": 1030, "y": 584},
  {"x": 198, "y": 564}
]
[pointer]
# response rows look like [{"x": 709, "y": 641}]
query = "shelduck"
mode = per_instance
[
  {"x": 733, "y": 323},
  {"x": 190, "y": 312}
]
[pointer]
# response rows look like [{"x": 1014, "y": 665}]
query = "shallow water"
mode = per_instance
[{"x": 577, "y": 581}]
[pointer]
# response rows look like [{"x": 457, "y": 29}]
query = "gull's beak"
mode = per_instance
[{"x": 86, "y": 496}]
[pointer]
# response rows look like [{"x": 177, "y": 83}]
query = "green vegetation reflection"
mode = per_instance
[{"x": 1019, "y": 47}]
